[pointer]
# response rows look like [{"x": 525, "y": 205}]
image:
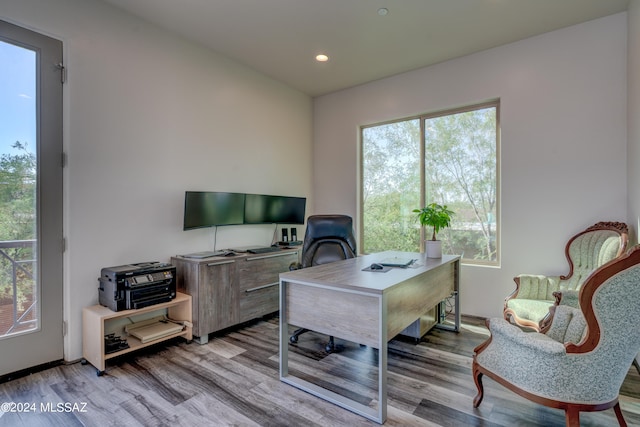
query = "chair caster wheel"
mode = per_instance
[
  {"x": 331, "y": 345},
  {"x": 293, "y": 339}
]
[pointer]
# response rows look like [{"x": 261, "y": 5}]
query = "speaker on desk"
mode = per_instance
[
  {"x": 285, "y": 235},
  {"x": 294, "y": 234}
]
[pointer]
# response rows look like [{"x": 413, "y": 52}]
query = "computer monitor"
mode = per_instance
[{"x": 209, "y": 209}]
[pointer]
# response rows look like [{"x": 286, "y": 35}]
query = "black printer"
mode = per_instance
[{"x": 132, "y": 286}]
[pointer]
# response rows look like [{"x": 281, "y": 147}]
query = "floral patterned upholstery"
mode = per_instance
[
  {"x": 529, "y": 304},
  {"x": 581, "y": 361}
]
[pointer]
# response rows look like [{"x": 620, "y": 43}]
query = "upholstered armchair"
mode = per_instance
[
  {"x": 529, "y": 304},
  {"x": 581, "y": 360}
]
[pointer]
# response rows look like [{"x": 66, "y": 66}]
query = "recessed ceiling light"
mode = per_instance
[
  {"x": 383, "y": 11},
  {"x": 322, "y": 58}
]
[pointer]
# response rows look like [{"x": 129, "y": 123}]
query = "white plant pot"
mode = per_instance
[{"x": 433, "y": 248}]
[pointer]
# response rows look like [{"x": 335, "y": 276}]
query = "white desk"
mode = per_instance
[{"x": 366, "y": 307}]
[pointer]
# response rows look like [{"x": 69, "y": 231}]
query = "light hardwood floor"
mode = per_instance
[{"x": 233, "y": 380}]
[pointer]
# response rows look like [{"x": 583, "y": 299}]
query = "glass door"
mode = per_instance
[{"x": 31, "y": 329}]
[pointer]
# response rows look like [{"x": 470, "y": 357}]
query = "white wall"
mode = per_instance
[
  {"x": 633, "y": 112},
  {"x": 148, "y": 116},
  {"x": 563, "y": 128},
  {"x": 633, "y": 124}
]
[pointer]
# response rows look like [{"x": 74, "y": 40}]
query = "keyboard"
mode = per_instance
[
  {"x": 263, "y": 250},
  {"x": 205, "y": 254}
]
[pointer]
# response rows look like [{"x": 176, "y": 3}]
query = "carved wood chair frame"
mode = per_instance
[
  {"x": 587, "y": 344},
  {"x": 619, "y": 227}
]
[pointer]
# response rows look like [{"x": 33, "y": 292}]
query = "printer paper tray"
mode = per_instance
[{"x": 153, "y": 329}]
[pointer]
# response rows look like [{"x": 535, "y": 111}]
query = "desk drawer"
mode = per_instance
[
  {"x": 259, "y": 270},
  {"x": 259, "y": 301}
]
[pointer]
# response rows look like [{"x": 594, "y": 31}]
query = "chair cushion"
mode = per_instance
[
  {"x": 588, "y": 252},
  {"x": 530, "y": 309},
  {"x": 537, "y": 286},
  {"x": 569, "y": 325}
]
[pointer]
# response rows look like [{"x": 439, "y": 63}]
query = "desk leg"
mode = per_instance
[
  {"x": 458, "y": 314},
  {"x": 456, "y": 296},
  {"x": 284, "y": 332},
  {"x": 456, "y": 325},
  {"x": 383, "y": 347},
  {"x": 379, "y": 415}
]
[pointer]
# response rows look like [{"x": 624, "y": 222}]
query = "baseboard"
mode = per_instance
[{"x": 32, "y": 370}]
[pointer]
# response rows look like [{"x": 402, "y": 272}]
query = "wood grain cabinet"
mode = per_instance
[{"x": 227, "y": 291}]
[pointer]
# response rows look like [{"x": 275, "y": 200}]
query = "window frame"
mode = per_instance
[
  {"x": 44, "y": 344},
  {"x": 493, "y": 103}
]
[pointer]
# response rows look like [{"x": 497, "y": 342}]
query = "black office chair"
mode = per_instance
[{"x": 328, "y": 238}]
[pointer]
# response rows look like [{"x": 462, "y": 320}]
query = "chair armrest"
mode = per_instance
[
  {"x": 535, "y": 286},
  {"x": 568, "y": 297},
  {"x": 510, "y": 335}
]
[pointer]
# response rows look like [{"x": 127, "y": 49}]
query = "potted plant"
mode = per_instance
[{"x": 437, "y": 217}]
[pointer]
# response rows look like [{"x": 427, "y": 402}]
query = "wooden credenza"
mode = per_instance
[{"x": 230, "y": 290}]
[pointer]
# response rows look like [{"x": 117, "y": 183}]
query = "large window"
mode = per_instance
[{"x": 450, "y": 158}]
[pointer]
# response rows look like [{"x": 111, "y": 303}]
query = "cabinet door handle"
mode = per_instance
[
  {"x": 220, "y": 263},
  {"x": 271, "y": 256},
  {"x": 257, "y": 288}
]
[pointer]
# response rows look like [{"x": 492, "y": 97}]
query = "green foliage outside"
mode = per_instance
[
  {"x": 460, "y": 172},
  {"x": 17, "y": 222},
  {"x": 391, "y": 186}
]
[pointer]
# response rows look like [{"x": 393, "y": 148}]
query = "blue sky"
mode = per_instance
[{"x": 17, "y": 97}]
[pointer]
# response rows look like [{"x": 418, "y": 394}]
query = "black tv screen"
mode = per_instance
[
  {"x": 208, "y": 209},
  {"x": 265, "y": 209}
]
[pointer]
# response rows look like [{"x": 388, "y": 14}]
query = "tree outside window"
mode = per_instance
[{"x": 459, "y": 152}]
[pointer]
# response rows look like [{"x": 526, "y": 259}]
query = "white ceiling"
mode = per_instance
[{"x": 280, "y": 38}]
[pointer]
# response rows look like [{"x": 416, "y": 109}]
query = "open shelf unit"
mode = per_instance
[{"x": 97, "y": 321}]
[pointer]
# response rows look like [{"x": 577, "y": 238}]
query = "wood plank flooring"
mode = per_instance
[{"x": 233, "y": 381}]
